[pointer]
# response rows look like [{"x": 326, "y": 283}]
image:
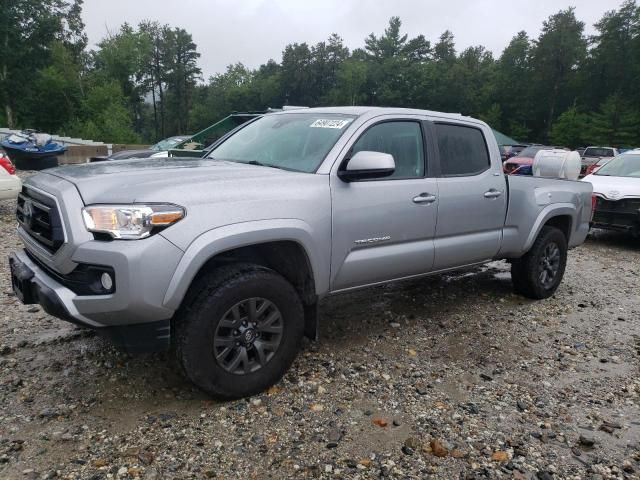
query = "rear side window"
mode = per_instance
[{"x": 463, "y": 150}]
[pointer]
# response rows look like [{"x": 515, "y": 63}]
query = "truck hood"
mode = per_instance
[
  {"x": 614, "y": 188},
  {"x": 164, "y": 179}
]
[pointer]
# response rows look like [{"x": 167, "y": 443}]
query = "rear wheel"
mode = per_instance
[
  {"x": 240, "y": 331},
  {"x": 538, "y": 274}
]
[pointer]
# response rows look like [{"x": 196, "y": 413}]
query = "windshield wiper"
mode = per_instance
[{"x": 260, "y": 164}]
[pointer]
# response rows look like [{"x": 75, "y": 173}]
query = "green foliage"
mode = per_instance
[
  {"x": 570, "y": 129},
  {"x": 493, "y": 117},
  {"x": 615, "y": 124},
  {"x": 351, "y": 78},
  {"x": 555, "y": 59},
  {"x": 143, "y": 83},
  {"x": 27, "y": 30},
  {"x": 104, "y": 115}
]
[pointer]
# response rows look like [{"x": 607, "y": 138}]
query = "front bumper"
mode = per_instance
[
  {"x": 133, "y": 316},
  {"x": 622, "y": 215}
]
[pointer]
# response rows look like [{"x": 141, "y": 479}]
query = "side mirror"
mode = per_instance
[{"x": 367, "y": 165}]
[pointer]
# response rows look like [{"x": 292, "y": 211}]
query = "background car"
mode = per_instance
[
  {"x": 162, "y": 146},
  {"x": 10, "y": 184},
  {"x": 592, "y": 155},
  {"x": 616, "y": 190},
  {"x": 525, "y": 158},
  {"x": 508, "y": 151},
  {"x": 595, "y": 166}
]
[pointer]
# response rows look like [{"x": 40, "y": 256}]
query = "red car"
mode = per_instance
[{"x": 524, "y": 158}]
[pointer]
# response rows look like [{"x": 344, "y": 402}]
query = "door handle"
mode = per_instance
[
  {"x": 493, "y": 193},
  {"x": 424, "y": 198}
]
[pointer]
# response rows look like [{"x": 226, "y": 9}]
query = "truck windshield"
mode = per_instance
[
  {"x": 625, "y": 165},
  {"x": 291, "y": 141}
]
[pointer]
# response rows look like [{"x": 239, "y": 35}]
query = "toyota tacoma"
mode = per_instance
[{"x": 225, "y": 257}]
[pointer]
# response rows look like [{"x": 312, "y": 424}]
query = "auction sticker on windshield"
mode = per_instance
[{"x": 329, "y": 123}]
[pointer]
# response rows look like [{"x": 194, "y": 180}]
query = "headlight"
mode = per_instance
[{"x": 130, "y": 222}]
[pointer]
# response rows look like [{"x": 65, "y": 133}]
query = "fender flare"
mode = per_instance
[
  {"x": 550, "y": 211},
  {"x": 236, "y": 235}
]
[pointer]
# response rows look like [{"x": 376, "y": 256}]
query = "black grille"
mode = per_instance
[
  {"x": 38, "y": 215},
  {"x": 624, "y": 213},
  {"x": 83, "y": 280}
]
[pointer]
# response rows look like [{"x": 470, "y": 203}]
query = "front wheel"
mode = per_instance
[
  {"x": 240, "y": 331},
  {"x": 538, "y": 274}
]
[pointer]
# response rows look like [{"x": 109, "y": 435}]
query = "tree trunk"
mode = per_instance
[
  {"x": 554, "y": 98},
  {"x": 158, "y": 79},
  {"x": 155, "y": 107},
  {"x": 9, "y": 114},
  {"x": 7, "y": 107}
]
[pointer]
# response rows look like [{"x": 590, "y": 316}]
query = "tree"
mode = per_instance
[
  {"x": 612, "y": 65},
  {"x": 104, "y": 115},
  {"x": 555, "y": 58},
  {"x": 570, "y": 129},
  {"x": 122, "y": 57},
  {"x": 27, "y": 29},
  {"x": 57, "y": 91},
  {"x": 180, "y": 60},
  {"x": 493, "y": 116},
  {"x": 445, "y": 51},
  {"x": 512, "y": 90},
  {"x": 389, "y": 45},
  {"x": 615, "y": 124},
  {"x": 352, "y": 77},
  {"x": 297, "y": 77}
]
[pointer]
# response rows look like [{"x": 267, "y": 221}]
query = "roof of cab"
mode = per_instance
[{"x": 375, "y": 111}]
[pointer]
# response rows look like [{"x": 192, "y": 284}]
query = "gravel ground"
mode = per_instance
[{"x": 445, "y": 377}]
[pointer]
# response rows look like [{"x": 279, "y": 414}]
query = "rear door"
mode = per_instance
[{"x": 472, "y": 196}]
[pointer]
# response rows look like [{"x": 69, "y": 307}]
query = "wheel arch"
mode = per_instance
[
  {"x": 561, "y": 216},
  {"x": 285, "y": 246}
]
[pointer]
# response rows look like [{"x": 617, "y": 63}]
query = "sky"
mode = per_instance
[{"x": 253, "y": 31}]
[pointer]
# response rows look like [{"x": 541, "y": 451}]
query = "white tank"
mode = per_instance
[{"x": 557, "y": 164}]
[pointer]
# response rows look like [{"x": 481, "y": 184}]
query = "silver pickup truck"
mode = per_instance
[{"x": 226, "y": 257}]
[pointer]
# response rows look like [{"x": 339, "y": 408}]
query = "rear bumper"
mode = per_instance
[{"x": 33, "y": 285}]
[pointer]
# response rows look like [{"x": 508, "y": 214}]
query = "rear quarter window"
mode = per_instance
[{"x": 463, "y": 150}]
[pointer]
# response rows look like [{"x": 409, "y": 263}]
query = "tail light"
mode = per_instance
[
  {"x": 594, "y": 200},
  {"x": 7, "y": 165}
]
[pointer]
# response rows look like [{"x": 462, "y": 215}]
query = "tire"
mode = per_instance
[
  {"x": 528, "y": 273},
  {"x": 218, "y": 310}
]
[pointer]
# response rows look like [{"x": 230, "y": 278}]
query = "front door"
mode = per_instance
[
  {"x": 383, "y": 229},
  {"x": 472, "y": 198}
]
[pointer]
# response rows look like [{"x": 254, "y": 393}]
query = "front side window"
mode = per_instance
[
  {"x": 463, "y": 150},
  {"x": 291, "y": 141},
  {"x": 401, "y": 139}
]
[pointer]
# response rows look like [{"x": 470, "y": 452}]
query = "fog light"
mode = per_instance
[{"x": 106, "y": 281}]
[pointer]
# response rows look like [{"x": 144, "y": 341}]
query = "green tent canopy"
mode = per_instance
[{"x": 502, "y": 139}]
